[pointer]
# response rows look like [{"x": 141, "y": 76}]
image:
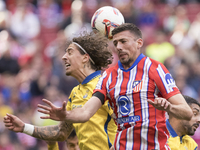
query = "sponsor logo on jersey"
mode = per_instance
[
  {"x": 128, "y": 119},
  {"x": 169, "y": 80},
  {"x": 124, "y": 105}
]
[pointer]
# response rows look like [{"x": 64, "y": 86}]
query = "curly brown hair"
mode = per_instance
[{"x": 96, "y": 45}]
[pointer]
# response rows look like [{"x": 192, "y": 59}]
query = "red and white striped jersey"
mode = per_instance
[{"x": 140, "y": 125}]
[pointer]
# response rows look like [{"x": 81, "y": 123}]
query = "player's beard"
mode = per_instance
[
  {"x": 190, "y": 130},
  {"x": 127, "y": 62}
]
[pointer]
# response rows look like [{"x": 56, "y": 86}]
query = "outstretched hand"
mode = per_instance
[
  {"x": 53, "y": 112},
  {"x": 160, "y": 103},
  {"x": 13, "y": 123}
]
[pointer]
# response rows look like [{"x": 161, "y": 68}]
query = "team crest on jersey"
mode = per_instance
[
  {"x": 137, "y": 86},
  {"x": 169, "y": 80},
  {"x": 86, "y": 94}
]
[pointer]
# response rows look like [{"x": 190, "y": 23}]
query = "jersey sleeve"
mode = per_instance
[
  {"x": 164, "y": 81},
  {"x": 101, "y": 85},
  {"x": 68, "y": 107},
  {"x": 53, "y": 146}
]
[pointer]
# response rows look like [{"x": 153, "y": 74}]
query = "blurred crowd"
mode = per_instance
[{"x": 33, "y": 38}]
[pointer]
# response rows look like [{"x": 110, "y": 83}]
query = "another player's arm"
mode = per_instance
[
  {"x": 50, "y": 133},
  {"x": 179, "y": 107},
  {"x": 77, "y": 115},
  {"x": 175, "y": 105},
  {"x": 84, "y": 113},
  {"x": 54, "y": 133}
]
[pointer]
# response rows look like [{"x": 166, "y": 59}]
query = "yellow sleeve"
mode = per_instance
[
  {"x": 107, "y": 107},
  {"x": 53, "y": 146},
  {"x": 68, "y": 107}
]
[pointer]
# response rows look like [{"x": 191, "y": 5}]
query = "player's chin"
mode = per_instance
[{"x": 68, "y": 73}]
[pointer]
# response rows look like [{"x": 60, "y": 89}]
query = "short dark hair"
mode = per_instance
[
  {"x": 72, "y": 134},
  {"x": 128, "y": 27},
  {"x": 96, "y": 45},
  {"x": 191, "y": 100}
]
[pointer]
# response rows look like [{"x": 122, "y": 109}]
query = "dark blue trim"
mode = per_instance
[
  {"x": 106, "y": 129},
  {"x": 70, "y": 100},
  {"x": 195, "y": 148},
  {"x": 134, "y": 64},
  {"x": 170, "y": 129},
  {"x": 91, "y": 76}
]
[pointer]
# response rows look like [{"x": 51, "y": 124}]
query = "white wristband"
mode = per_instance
[{"x": 28, "y": 129}]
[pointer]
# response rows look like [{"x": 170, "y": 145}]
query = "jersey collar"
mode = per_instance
[
  {"x": 91, "y": 76},
  {"x": 134, "y": 64},
  {"x": 170, "y": 129}
]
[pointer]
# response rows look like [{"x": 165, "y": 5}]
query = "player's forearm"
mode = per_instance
[
  {"x": 181, "y": 111},
  {"x": 78, "y": 115},
  {"x": 53, "y": 133}
]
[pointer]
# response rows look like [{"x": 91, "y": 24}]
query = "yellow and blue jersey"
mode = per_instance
[
  {"x": 180, "y": 143},
  {"x": 99, "y": 132}
]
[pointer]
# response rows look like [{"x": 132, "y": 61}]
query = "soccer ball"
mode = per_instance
[{"x": 105, "y": 19}]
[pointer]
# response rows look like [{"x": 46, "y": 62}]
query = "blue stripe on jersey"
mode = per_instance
[
  {"x": 70, "y": 100},
  {"x": 170, "y": 129},
  {"x": 134, "y": 64},
  {"x": 106, "y": 129},
  {"x": 91, "y": 76},
  {"x": 195, "y": 148}
]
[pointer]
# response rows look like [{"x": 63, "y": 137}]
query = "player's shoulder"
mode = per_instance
[
  {"x": 111, "y": 69},
  {"x": 188, "y": 138},
  {"x": 154, "y": 62},
  {"x": 190, "y": 142}
]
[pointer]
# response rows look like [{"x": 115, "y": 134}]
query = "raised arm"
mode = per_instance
[
  {"x": 53, "y": 133},
  {"x": 175, "y": 105},
  {"x": 77, "y": 115},
  {"x": 179, "y": 108}
]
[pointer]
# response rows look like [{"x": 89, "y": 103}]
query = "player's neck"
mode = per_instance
[
  {"x": 177, "y": 126},
  {"x": 83, "y": 73}
]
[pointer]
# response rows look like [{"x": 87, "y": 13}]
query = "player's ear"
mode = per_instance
[
  {"x": 86, "y": 58},
  {"x": 139, "y": 43}
]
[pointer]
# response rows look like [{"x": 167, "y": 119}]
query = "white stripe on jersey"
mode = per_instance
[
  {"x": 100, "y": 82},
  {"x": 118, "y": 139},
  {"x": 108, "y": 84},
  {"x": 129, "y": 136},
  {"x": 117, "y": 91},
  {"x": 144, "y": 105},
  {"x": 130, "y": 132},
  {"x": 162, "y": 76},
  {"x": 157, "y": 145},
  {"x": 129, "y": 93}
]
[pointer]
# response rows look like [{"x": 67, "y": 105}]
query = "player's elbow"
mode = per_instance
[
  {"x": 189, "y": 114},
  {"x": 62, "y": 136}
]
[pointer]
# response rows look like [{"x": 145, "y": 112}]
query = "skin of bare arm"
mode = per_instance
[
  {"x": 77, "y": 115},
  {"x": 50, "y": 133},
  {"x": 54, "y": 133},
  {"x": 175, "y": 105}
]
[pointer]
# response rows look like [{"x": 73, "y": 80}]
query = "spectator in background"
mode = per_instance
[
  {"x": 8, "y": 64},
  {"x": 161, "y": 49},
  {"x": 24, "y": 23},
  {"x": 147, "y": 20}
]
